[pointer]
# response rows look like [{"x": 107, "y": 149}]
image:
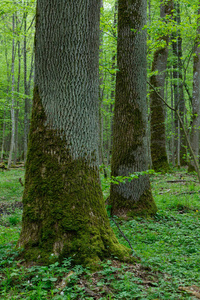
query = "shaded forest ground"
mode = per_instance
[{"x": 168, "y": 245}]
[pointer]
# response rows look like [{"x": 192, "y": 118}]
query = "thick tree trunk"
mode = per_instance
[
  {"x": 194, "y": 137},
  {"x": 130, "y": 114},
  {"x": 158, "y": 137},
  {"x": 64, "y": 212}
]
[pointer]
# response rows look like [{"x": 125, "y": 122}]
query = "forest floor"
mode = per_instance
[{"x": 168, "y": 245}]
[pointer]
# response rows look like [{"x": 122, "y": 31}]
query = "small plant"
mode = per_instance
[{"x": 14, "y": 219}]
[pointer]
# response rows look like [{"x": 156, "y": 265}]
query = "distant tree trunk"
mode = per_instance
[
  {"x": 12, "y": 143},
  {"x": 9, "y": 77},
  {"x": 148, "y": 102},
  {"x": 113, "y": 81},
  {"x": 64, "y": 213},
  {"x": 158, "y": 137},
  {"x": 178, "y": 91},
  {"x": 172, "y": 122},
  {"x": 3, "y": 134},
  {"x": 129, "y": 153},
  {"x": 17, "y": 106},
  {"x": 194, "y": 137},
  {"x": 101, "y": 95},
  {"x": 26, "y": 104}
]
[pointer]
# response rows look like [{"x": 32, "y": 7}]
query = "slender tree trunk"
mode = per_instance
[
  {"x": 17, "y": 106},
  {"x": 172, "y": 123},
  {"x": 3, "y": 134},
  {"x": 8, "y": 88},
  {"x": 129, "y": 153},
  {"x": 26, "y": 104},
  {"x": 12, "y": 143},
  {"x": 148, "y": 98},
  {"x": 101, "y": 93},
  {"x": 64, "y": 212},
  {"x": 194, "y": 137},
  {"x": 113, "y": 81},
  {"x": 158, "y": 137},
  {"x": 178, "y": 90}
]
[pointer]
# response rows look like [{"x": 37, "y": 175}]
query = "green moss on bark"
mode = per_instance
[
  {"x": 64, "y": 213},
  {"x": 123, "y": 207}
]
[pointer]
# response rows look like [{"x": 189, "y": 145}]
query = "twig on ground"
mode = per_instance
[{"x": 134, "y": 253}]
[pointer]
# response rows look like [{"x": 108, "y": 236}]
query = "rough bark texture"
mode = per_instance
[
  {"x": 158, "y": 140},
  {"x": 130, "y": 115},
  {"x": 64, "y": 212},
  {"x": 194, "y": 137}
]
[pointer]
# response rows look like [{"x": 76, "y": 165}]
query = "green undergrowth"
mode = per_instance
[
  {"x": 10, "y": 187},
  {"x": 168, "y": 245}
]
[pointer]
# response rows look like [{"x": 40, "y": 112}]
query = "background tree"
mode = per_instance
[
  {"x": 195, "y": 121},
  {"x": 64, "y": 211},
  {"x": 180, "y": 143},
  {"x": 12, "y": 94},
  {"x": 157, "y": 79},
  {"x": 130, "y": 114}
]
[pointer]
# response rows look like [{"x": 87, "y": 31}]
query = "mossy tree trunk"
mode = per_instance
[
  {"x": 157, "y": 108},
  {"x": 194, "y": 137},
  {"x": 129, "y": 153},
  {"x": 64, "y": 213}
]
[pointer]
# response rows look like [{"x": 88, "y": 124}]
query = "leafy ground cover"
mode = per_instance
[{"x": 168, "y": 246}]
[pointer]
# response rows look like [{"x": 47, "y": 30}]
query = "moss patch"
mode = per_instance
[
  {"x": 124, "y": 208},
  {"x": 64, "y": 213}
]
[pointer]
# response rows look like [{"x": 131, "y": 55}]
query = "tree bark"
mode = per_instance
[
  {"x": 129, "y": 153},
  {"x": 3, "y": 133},
  {"x": 64, "y": 212},
  {"x": 158, "y": 137},
  {"x": 178, "y": 91},
  {"x": 194, "y": 137},
  {"x": 17, "y": 106},
  {"x": 26, "y": 104},
  {"x": 12, "y": 142}
]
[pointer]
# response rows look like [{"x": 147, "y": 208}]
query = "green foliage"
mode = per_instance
[
  {"x": 10, "y": 187},
  {"x": 168, "y": 245}
]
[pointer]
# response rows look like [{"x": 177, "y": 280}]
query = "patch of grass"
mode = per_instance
[
  {"x": 168, "y": 245},
  {"x": 10, "y": 187}
]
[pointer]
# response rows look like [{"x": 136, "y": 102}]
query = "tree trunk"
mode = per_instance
[
  {"x": 172, "y": 122},
  {"x": 158, "y": 137},
  {"x": 194, "y": 137},
  {"x": 12, "y": 142},
  {"x": 3, "y": 133},
  {"x": 130, "y": 114},
  {"x": 26, "y": 104},
  {"x": 17, "y": 106},
  {"x": 64, "y": 212},
  {"x": 178, "y": 91}
]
